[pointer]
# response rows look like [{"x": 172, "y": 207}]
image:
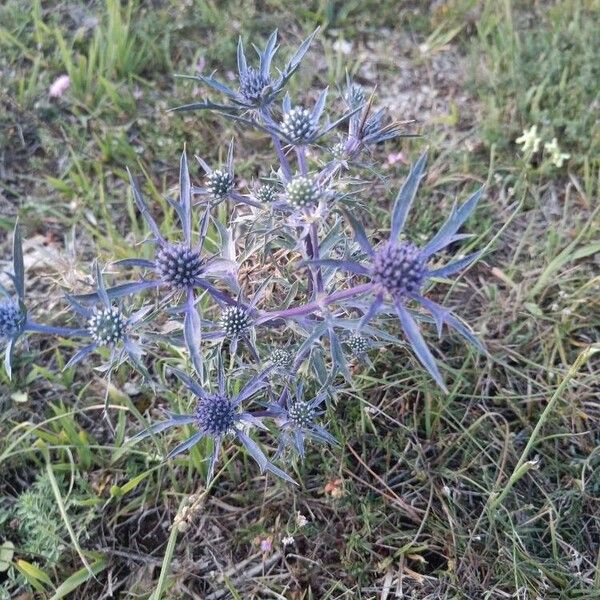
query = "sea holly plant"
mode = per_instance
[
  {"x": 15, "y": 322},
  {"x": 296, "y": 289}
]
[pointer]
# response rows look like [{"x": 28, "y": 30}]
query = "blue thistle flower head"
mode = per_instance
[
  {"x": 400, "y": 269},
  {"x": 358, "y": 344},
  {"x": 298, "y": 125},
  {"x": 178, "y": 265},
  {"x": 297, "y": 420},
  {"x": 257, "y": 88},
  {"x": 107, "y": 326},
  {"x": 235, "y": 320},
  {"x": 266, "y": 194},
  {"x": 12, "y": 319},
  {"x": 302, "y": 192},
  {"x": 281, "y": 358},
  {"x": 217, "y": 416},
  {"x": 301, "y": 414},
  {"x": 219, "y": 183},
  {"x": 253, "y": 84}
]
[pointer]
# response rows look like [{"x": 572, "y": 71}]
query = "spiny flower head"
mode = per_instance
[
  {"x": 215, "y": 415},
  {"x": 400, "y": 269},
  {"x": 358, "y": 344},
  {"x": 107, "y": 326},
  {"x": 253, "y": 84},
  {"x": 298, "y": 125},
  {"x": 219, "y": 183},
  {"x": 301, "y": 413},
  {"x": 282, "y": 358},
  {"x": 266, "y": 194},
  {"x": 11, "y": 319},
  {"x": 178, "y": 265},
  {"x": 302, "y": 192},
  {"x": 234, "y": 320}
]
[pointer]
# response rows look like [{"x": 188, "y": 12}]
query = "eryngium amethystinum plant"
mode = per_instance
[{"x": 317, "y": 293}]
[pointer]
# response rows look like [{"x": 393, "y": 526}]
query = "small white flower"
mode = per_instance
[
  {"x": 556, "y": 156},
  {"x": 529, "y": 140},
  {"x": 59, "y": 86},
  {"x": 287, "y": 541},
  {"x": 301, "y": 520}
]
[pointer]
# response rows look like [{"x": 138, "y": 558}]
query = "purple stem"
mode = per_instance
[
  {"x": 314, "y": 242},
  {"x": 283, "y": 161},
  {"x": 306, "y": 309},
  {"x": 302, "y": 164}
]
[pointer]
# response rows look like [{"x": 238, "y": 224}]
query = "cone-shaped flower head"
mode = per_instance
[
  {"x": 253, "y": 83},
  {"x": 12, "y": 319},
  {"x": 298, "y": 125},
  {"x": 399, "y": 268},
  {"x": 234, "y": 320},
  {"x": 215, "y": 415},
  {"x": 107, "y": 326},
  {"x": 219, "y": 183},
  {"x": 266, "y": 194},
  {"x": 302, "y": 192},
  {"x": 282, "y": 358},
  {"x": 178, "y": 265},
  {"x": 358, "y": 344}
]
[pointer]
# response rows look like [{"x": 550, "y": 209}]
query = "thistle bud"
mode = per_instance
[
  {"x": 301, "y": 414},
  {"x": 357, "y": 344},
  {"x": 302, "y": 192},
  {"x": 298, "y": 125},
  {"x": 219, "y": 184},
  {"x": 253, "y": 84},
  {"x": 281, "y": 358},
  {"x": 266, "y": 194},
  {"x": 234, "y": 320},
  {"x": 107, "y": 326}
]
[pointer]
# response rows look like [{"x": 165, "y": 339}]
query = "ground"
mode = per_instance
[{"x": 491, "y": 491}]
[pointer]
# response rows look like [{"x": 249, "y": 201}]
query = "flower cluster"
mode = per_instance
[{"x": 321, "y": 300}]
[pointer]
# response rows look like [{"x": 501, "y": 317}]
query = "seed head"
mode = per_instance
[
  {"x": 301, "y": 414},
  {"x": 178, "y": 265},
  {"x": 282, "y": 358},
  {"x": 215, "y": 415},
  {"x": 266, "y": 194},
  {"x": 234, "y": 320},
  {"x": 107, "y": 326},
  {"x": 399, "y": 268},
  {"x": 11, "y": 319},
  {"x": 358, "y": 344},
  {"x": 219, "y": 184},
  {"x": 298, "y": 125},
  {"x": 302, "y": 191},
  {"x": 252, "y": 84}
]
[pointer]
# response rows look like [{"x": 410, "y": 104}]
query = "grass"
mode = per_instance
[{"x": 489, "y": 492}]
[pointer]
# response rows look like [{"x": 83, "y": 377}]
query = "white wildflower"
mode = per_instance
[
  {"x": 301, "y": 520},
  {"x": 556, "y": 156},
  {"x": 529, "y": 140}
]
